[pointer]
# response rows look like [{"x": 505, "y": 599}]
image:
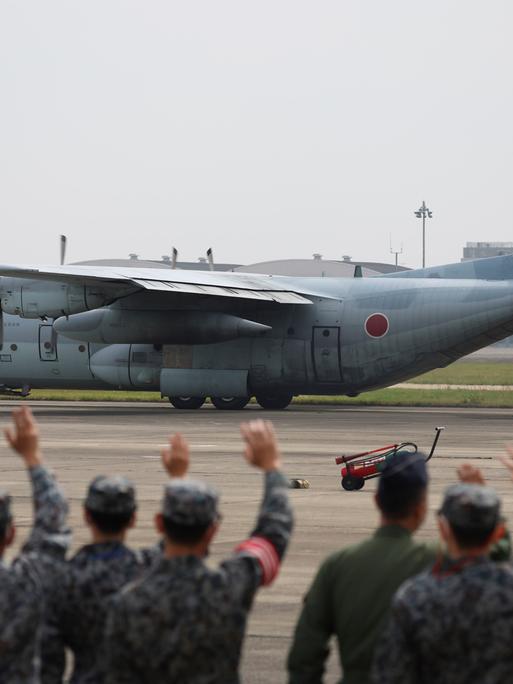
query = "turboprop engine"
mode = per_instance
[
  {"x": 121, "y": 326},
  {"x": 37, "y": 299}
]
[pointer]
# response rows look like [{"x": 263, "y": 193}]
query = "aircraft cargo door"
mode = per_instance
[
  {"x": 47, "y": 343},
  {"x": 326, "y": 354}
]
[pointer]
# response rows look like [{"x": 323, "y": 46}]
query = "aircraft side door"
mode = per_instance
[
  {"x": 47, "y": 343},
  {"x": 326, "y": 353}
]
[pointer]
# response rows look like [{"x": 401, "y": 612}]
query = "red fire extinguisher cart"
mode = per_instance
[{"x": 357, "y": 468}]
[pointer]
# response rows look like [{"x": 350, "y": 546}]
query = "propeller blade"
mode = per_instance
[
  {"x": 210, "y": 258},
  {"x": 64, "y": 241},
  {"x": 174, "y": 257}
]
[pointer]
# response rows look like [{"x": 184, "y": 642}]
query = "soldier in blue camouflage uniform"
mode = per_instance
[
  {"x": 184, "y": 622},
  {"x": 99, "y": 570},
  {"x": 26, "y": 583},
  {"x": 454, "y": 623}
]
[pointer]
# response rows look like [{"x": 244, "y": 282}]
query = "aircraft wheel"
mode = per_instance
[
  {"x": 230, "y": 403},
  {"x": 351, "y": 483},
  {"x": 187, "y": 402},
  {"x": 274, "y": 402}
]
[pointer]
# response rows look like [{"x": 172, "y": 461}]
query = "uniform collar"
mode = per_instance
[
  {"x": 105, "y": 550},
  {"x": 177, "y": 562},
  {"x": 395, "y": 531},
  {"x": 447, "y": 566}
]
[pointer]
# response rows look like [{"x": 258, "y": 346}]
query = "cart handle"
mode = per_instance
[
  {"x": 345, "y": 459},
  {"x": 438, "y": 431}
]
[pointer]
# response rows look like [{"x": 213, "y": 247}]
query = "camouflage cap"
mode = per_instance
[
  {"x": 5, "y": 507},
  {"x": 471, "y": 506},
  {"x": 111, "y": 494},
  {"x": 190, "y": 502}
]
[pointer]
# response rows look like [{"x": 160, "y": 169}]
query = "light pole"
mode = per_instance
[{"x": 424, "y": 213}]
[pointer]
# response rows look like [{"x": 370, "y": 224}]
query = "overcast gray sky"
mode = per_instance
[{"x": 265, "y": 129}]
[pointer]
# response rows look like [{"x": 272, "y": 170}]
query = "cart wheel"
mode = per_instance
[{"x": 351, "y": 484}]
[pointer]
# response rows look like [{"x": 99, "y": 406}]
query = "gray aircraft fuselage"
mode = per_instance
[{"x": 357, "y": 335}]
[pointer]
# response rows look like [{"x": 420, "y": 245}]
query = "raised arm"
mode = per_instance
[
  {"x": 469, "y": 474},
  {"x": 269, "y": 539},
  {"x": 49, "y": 533}
]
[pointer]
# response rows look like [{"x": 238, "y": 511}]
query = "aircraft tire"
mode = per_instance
[
  {"x": 351, "y": 483},
  {"x": 276, "y": 402},
  {"x": 230, "y": 403},
  {"x": 187, "y": 402}
]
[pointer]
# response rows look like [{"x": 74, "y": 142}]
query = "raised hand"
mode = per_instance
[
  {"x": 469, "y": 474},
  {"x": 23, "y": 437},
  {"x": 175, "y": 457},
  {"x": 261, "y": 446},
  {"x": 507, "y": 459}
]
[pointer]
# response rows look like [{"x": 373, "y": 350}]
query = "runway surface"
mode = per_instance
[{"x": 83, "y": 439}]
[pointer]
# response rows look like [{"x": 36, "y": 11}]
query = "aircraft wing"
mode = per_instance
[{"x": 206, "y": 283}]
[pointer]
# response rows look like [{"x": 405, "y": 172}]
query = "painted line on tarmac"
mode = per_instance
[{"x": 479, "y": 388}]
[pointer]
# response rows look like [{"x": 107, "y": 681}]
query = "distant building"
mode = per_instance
[
  {"x": 319, "y": 267},
  {"x": 316, "y": 267},
  {"x": 482, "y": 250}
]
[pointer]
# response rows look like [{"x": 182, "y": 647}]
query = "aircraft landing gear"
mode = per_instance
[
  {"x": 230, "y": 403},
  {"x": 274, "y": 402},
  {"x": 187, "y": 402}
]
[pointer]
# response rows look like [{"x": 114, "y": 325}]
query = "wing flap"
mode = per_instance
[{"x": 281, "y": 297}]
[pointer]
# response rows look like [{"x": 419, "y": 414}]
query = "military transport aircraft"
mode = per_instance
[{"x": 231, "y": 336}]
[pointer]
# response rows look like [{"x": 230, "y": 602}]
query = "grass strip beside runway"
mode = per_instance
[
  {"x": 469, "y": 373},
  {"x": 420, "y": 397},
  {"x": 386, "y": 397}
]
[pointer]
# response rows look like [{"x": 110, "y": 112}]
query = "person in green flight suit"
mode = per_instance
[{"x": 352, "y": 592}]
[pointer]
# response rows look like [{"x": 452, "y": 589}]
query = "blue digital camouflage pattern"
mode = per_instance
[
  {"x": 183, "y": 621},
  {"x": 111, "y": 494},
  {"x": 453, "y": 627},
  {"x": 25, "y": 585},
  {"x": 190, "y": 502},
  {"x": 78, "y": 615},
  {"x": 471, "y": 506}
]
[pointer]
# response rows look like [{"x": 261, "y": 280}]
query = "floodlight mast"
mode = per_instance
[{"x": 423, "y": 212}]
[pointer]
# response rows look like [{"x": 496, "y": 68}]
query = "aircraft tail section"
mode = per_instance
[{"x": 493, "y": 268}]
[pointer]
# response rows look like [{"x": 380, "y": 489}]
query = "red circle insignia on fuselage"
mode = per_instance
[{"x": 377, "y": 325}]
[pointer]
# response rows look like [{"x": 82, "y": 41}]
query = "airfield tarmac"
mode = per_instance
[{"x": 83, "y": 439}]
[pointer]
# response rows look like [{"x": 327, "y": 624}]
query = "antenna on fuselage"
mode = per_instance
[
  {"x": 210, "y": 259},
  {"x": 64, "y": 242},
  {"x": 174, "y": 257}
]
